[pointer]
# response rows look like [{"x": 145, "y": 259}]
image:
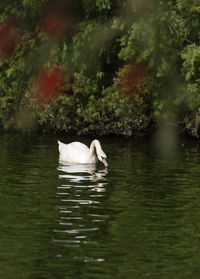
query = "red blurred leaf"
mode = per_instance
[
  {"x": 54, "y": 23},
  {"x": 48, "y": 84},
  {"x": 8, "y": 37},
  {"x": 57, "y": 18},
  {"x": 132, "y": 78}
]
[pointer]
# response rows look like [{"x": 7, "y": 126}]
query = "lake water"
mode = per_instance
[{"x": 138, "y": 219}]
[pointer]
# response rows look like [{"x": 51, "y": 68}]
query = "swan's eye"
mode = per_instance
[{"x": 103, "y": 158}]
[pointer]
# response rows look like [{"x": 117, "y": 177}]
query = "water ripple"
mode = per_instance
[{"x": 79, "y": 195}]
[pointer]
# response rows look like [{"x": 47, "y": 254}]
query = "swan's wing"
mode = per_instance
[{"x": 75, "y": 152}]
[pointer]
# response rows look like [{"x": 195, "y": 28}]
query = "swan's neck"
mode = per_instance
[{"x": 95, "y": 148}]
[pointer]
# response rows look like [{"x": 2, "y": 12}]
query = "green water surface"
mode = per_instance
[{"x": 138, "y": 219}]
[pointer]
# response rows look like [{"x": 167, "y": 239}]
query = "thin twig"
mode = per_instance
[{"x": 188, "y": 41}]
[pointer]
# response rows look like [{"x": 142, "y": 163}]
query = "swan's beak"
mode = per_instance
[{"x": 104, "y": 161}]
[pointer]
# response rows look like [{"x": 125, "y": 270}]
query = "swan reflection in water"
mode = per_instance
[
  {"x": 80, "y": 172},
  {"x": 80, "y": 196}
]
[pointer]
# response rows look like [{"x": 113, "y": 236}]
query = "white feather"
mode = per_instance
[{"x": 79, "y": 153}]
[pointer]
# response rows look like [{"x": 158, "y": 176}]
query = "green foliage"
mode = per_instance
[
  {"x": 113, "y": 113},
  {"x": 153, "y": 37},
  {"x": 191, "y": 64},
  {"x": 191, "y": 73},
  {"x": 104, "y": 39}
]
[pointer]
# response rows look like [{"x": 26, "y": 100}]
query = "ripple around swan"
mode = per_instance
[
  {"x": 81, "y": 172},
  {"x": 79, "y": 203}
]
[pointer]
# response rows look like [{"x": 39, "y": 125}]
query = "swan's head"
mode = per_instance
[
  {"x": 99, "y": 152},
  {"x": 102, "y": 157}
]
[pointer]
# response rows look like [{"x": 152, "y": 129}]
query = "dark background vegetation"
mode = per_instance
[{"x": 118, "y": 67}]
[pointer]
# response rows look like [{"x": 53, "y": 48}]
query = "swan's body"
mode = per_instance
[{"x": 79, "y": 153}]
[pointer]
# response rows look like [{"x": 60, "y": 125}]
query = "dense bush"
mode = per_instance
[{"x": 113, "y": 113}]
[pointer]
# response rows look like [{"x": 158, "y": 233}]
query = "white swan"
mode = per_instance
[{"x": 79, "y": 153}]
